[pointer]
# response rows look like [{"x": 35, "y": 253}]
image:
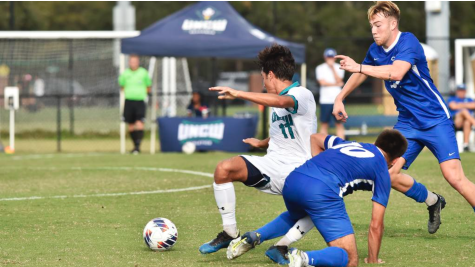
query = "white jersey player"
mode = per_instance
[
  {"x": 289, "y": 143},
  {"x": 292, "y": 121}
]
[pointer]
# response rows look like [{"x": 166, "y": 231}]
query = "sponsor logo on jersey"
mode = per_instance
[
  {"x": 205, "y": 24},
  {"x": 201, "y": 133}
]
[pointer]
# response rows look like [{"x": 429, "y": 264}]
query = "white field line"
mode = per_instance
[
  {"x": 123, "y": 194},
  {"x": 49, "y": 156}
]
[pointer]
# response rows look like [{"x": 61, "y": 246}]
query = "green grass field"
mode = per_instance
[{"x": 69, "y": 225}]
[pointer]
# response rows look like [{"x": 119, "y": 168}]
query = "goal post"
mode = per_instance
[{"x": 465, "y": 64}]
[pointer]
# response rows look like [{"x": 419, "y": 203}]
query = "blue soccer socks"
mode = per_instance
[
  {"x": 418, "y": 192},
  {"x": 278, "y": 227}
]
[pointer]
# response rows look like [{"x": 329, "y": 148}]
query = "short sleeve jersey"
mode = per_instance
[
  {"x": 417, "y": 99},
  {"x": 135, "y": 83},
  {"x": 328, "y": 93},
  {"x": 290, "y": 128},
  {"x": 458, "y": 100},
  {"x": 351, "y": 166}
]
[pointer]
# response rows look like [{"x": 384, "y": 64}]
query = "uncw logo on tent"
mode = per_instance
[
  {"x": 201, "y": 133},
  {"x": 205, "y": 24}
]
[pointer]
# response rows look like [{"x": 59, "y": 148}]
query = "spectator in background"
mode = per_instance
[
  {"x": 461, "y": 111},
  {"x": 39, "y": 91},
  {"x": 135, "y": 83},
  {"x": 196, "y": 107},
  {"x": 330, "y": 77}
]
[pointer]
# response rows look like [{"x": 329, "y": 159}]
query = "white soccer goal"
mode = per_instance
[
  {"x": 465, "y": 64},
  {"x": 76, "y": 72}
]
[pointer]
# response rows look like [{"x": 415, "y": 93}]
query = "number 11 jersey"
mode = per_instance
[{"x": 290, "y": 128}]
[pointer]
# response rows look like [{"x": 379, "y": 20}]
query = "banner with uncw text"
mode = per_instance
[{"x": 213, "y": 133}]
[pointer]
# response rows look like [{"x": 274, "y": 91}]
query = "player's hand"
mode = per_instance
[
  {"x": 253, "y": 142},
  {"x": 225, "y": 92},
  {"x": 348, "y": 64},
  {"x": 380, "y": 261},
  {"x": 339, "y": 111}
]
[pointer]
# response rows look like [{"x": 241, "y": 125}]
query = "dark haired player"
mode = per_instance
[
  {"x": 292, "y": 122},
  {"x": 424, "y": 119},
  {"x": 317, "y": 188}
]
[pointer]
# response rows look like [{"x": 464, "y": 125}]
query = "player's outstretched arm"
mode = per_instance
[
  {"x": 338, "y": 107},
  {"x": 375, "y": 234},
  {"x": 269, "y": 100},
  {"x": 257, "y": 143},
  {"x": 317, "y": 143},
  {"x": 393, "y": 72}
]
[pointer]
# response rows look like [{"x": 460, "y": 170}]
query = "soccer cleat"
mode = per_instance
[
  {"x": 297, "y": 258},
  {"x": 221, "y": 241},
  {"x": 278, "y": 254},
  {"x": 243, "y": 244},
  {"x": 434, "y": 214},
  {"x": 135, "y": 151}
]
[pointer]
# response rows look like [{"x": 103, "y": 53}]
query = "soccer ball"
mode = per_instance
[
  {"x": 160, "y": 234},
  {"x": 188, "y": 148}
]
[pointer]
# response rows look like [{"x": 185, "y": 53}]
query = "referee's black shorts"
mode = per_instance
[{"x": 134, "y": 110}]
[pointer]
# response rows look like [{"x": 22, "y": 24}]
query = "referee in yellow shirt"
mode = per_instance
[{"x": 135, "y": 83}]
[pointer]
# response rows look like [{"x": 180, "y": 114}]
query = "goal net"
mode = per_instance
[{"x": 68, "y": 85}]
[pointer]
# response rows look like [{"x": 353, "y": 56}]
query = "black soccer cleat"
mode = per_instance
[
  {"x": 221, "y": 241},
  {"x": 434, "y": 214}
]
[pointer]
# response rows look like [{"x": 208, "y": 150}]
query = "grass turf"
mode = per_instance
[{"x": 107, "y": 231}]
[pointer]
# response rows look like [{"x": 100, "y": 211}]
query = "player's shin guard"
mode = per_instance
[
  {"x": 226, "y": 201},
  {"x": 418, "y": 192},
  {"x": 331, "y": 256},
  {"x": 278, "y": 227}
]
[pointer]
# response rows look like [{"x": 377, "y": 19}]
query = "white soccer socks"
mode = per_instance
[
  {"x": 299, "y": 230},
  {"x": 431, "y": 198},
  {"x": 226, "y": 201}
]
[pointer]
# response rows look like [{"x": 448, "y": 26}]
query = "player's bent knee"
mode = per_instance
[{"x": 221, "y": 174}]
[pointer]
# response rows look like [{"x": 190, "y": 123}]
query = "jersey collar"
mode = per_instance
[
  {"x": 286, "y": 90},
  {"x": 393, "y": 44}
]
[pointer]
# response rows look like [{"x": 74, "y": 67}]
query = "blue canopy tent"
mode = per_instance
[
  {"x": 205, "y": 29},
  {"x": 208, "y": 29}
]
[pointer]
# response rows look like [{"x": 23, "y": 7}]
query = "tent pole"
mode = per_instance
[
  {"x": 214, "y": 79},
  {"x": 153, "y": 113}
]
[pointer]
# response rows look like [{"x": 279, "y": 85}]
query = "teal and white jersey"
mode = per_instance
[
  {"x": 290, "y": 128},
  {"x": 289, "y": 145}
]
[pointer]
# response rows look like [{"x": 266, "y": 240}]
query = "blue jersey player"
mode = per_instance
[
  {"x": 317, "y": 188},
  {"x": 424, "y": 119}
]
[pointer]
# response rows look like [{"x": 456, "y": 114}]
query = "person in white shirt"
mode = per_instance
[{"x": 330, "y": 77}]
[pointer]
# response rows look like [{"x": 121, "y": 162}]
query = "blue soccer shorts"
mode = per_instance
[
  {"x": 326, "y": 113},
  {"x": 439, "y": 139},
  {"x": 305, "y": 195}
]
